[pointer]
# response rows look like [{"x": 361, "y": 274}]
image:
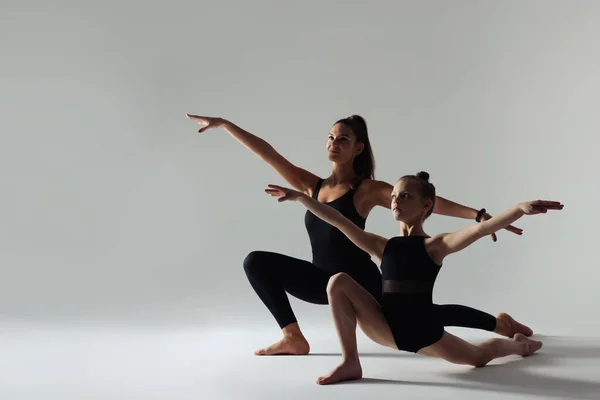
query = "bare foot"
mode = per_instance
[
  {"x": 532, "y": 345},
  {"x": 346, "y": 371},
  {"x": 508, "y": 326},
  {"x": 289, "y": 345}
]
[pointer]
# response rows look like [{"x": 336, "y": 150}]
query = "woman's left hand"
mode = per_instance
[{"x": 510, "y": 228}]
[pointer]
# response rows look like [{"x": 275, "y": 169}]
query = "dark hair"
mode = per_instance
[
  {"x": 427, "y": 189},
  {"x": 364, "y": 163}
]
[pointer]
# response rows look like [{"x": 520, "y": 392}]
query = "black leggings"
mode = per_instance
[{"x": 272, "y": 275}]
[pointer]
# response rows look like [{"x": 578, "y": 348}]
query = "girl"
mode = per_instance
[
  {"x": 352, "y": 190},
  {"x": 405, "y": 318}
]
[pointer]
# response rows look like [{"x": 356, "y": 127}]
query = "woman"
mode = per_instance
[
  {"x": 352, "y": 190},
  {"x": 405, "y": 318}
]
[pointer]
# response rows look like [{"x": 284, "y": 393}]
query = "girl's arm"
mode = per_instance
[
  {"x": 453, "y": 242},
  {"x": 299, "y": 178},
  {"x": 369, "y": 242}
]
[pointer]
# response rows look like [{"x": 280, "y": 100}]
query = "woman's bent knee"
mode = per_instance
[{"x": 254, "y": 261}]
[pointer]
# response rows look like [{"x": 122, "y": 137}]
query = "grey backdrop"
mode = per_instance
[{"x": 114, "y": 210}]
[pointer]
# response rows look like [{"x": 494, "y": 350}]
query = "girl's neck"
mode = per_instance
[{"x": 412, "y": 229}]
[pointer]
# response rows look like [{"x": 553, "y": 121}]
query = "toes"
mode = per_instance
[
  {"x": 519, "y": 337},
  {"x": 340, "y": 374},
  {"x": 326, "y": 380},
  {"x": 535, "y": 346},
  {"x": 285, "y": 347},
  {"x": 263, "y": 352}
]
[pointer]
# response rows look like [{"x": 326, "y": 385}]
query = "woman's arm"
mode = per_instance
[
  {"x": 382, "y": 196},
  {"x": 451, "y": 209},
  {"x": 369, "y": 242},
  {"x": 299, "y": 178},
  {"x": 457, "y": 241}
]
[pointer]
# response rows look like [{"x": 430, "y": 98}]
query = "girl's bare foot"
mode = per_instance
[
  {"x": 289, "y": 345},
  {"x": 508, "y": 326},
  {"x": 532, "y": 345},
  {"x": 346, "y": 371}
]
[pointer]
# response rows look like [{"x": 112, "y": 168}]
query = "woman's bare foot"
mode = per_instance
[
  {"x": 346, "y": 371},
  {"x": 293, "y": 343},
  {"x": 508, "y": 326},
  {"x": 532, "y": 345},
  {"x": 289, "y": 345}
]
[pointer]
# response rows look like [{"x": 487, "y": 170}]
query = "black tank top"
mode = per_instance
[
  {"x": 405, "y": 261},
  {"x": 331, "y": 249}
]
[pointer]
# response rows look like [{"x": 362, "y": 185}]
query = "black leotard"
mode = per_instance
[
  {"x": 408, "y": 278},
  {"x": 272, "y": 274},
  {"x": 324, "y": 238}
]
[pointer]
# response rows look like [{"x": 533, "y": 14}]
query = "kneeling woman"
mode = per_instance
[{"x": 410, "y": 263}]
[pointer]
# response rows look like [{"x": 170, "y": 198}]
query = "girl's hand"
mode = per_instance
[
  {"x": 283, "y": 193},
  {"x": 539, "y": 206}
]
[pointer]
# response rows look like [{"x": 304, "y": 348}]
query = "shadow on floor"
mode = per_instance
[{"x": 515, "y": 377}]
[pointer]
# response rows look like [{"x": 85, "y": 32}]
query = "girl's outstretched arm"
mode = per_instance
[
  {"x": 299, "y": 178},
  {"x": 369, "y": 242},
  {"x": 453, "y": 242}
]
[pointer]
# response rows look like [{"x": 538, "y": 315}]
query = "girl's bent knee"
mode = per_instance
[{"x": 337, "y": 282}]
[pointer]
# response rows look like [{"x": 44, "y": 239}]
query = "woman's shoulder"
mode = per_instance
[
  {"x": 373, "y": 187},
  {"x": 373, "y": 193},
  {"x": 374, "y": 183},
  {"x": 315, "y": 185}
]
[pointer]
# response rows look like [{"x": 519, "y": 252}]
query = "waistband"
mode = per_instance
[{"x": 407, "y": 286}]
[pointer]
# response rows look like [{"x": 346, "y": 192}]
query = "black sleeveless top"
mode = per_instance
[
  {"x": 409, "y": 274},
  {"x": 331, "y": 249},
  {"x": 405, "y": 260}
]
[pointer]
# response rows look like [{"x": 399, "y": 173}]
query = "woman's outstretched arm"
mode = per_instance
[
  {"x": 382, "y": 192},
  {"x": 369, "y": 242},
  {"x": 299, "y": 178}
]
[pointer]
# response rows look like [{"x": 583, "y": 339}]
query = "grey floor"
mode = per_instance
[{"x": 87, "y": 363}]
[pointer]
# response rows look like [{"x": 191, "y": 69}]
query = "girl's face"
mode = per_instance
[
  {"x": 407, "y": 203},
  {"x": 342, "y": 145}
]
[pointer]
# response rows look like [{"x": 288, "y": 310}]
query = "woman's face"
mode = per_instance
[{"x": 342, "y": 145}]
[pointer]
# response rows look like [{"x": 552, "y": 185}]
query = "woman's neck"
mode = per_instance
[
  {"x": 342, "y": 174},
  {"x": 412, "y": 229}
]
